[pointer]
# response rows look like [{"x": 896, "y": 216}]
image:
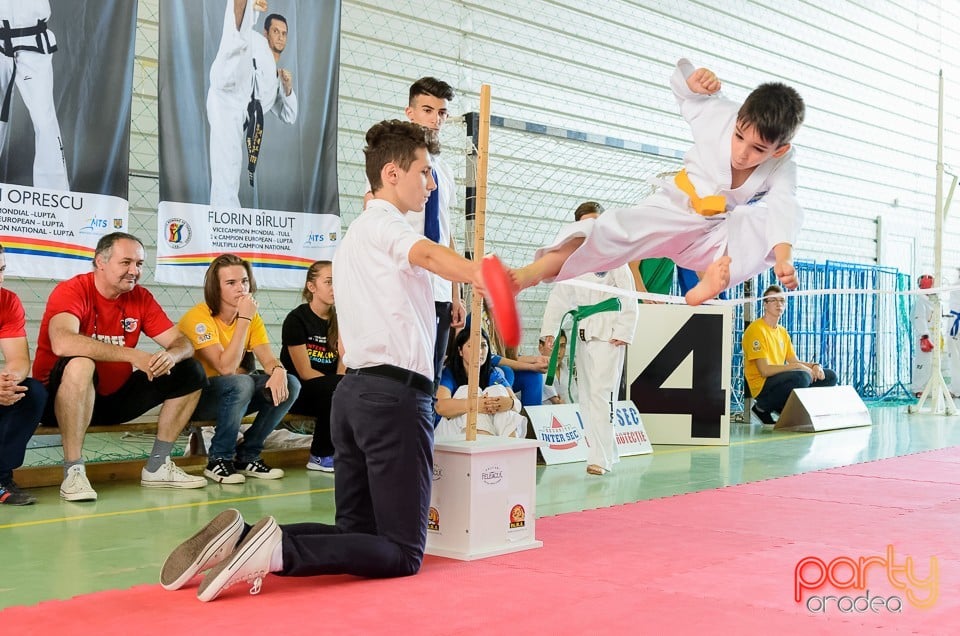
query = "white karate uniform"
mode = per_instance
[
  {"x": 599, "y": 364},
  {"x": 504, "y": 424},
  {"x": 28, "y": 63},
  {"x": 549, "y": 392},
  {"x": 953, "y": 341},
  {"x": 921, "y": 320},
  {"x": 565, "y": 389},
  {"x": 233, "y": 79},
  {"x": 759, "y": 214}
]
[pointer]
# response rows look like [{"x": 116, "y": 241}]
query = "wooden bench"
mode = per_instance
[{"x": 52, "y": 475}]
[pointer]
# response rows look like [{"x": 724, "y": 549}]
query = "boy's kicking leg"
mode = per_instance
[
  {"x": 547, "y": 266},
  {"x": 714, "y": 280}
]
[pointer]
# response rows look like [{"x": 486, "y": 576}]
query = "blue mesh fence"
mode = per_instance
[{"x": 865, "y": 337}]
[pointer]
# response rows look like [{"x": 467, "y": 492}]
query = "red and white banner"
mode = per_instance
[
  {"x": 560, "y": 428},
  {"x": 66, "y": 77}
]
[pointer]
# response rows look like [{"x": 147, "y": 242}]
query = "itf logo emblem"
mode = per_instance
[{"x": 178, "y": 233}]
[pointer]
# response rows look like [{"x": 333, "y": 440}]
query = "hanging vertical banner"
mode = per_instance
[
  {"x": 66, "y": 71},
  {"x": 248, "y": 124}
]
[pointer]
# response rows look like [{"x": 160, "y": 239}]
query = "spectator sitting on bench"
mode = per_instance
[
  {"x": 21, "y": 398},
  {"x": 499, "y": 409},
  {"x": 87, "y": 358},
  {"x": 223, "y": 328},
  {"x": 524, "y": 374},
  {"x": 770, "y": 364},
  {"x": 555, "y": 393},
  {"x": 310, "y": 351}
]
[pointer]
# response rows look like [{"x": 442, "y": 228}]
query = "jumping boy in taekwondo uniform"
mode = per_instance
[{"x": 731, "y": 212}]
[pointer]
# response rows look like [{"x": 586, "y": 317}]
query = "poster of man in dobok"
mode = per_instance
[
  {"x": 246, "y": 82},
  {"x": 66, "y": 75},
  {"x": 243, "y": 168}
]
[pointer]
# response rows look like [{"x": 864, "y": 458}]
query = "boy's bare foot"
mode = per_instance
[{"x": 714, "y": 281}]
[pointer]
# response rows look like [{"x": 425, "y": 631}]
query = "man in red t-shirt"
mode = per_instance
[
  {"x": 21, "y": 398},
  {"x": 87, "y": 357}
]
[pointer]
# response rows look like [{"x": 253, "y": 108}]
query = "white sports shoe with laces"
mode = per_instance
[
  {"x": 76, "y": 486},
  {"x": 170, "y": 476},
  {"x": 249, "y": 562}
]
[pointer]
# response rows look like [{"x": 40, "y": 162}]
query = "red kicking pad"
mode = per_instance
[{"x": 502, "y": 296}]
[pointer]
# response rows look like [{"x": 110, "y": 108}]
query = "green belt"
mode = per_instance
[{"x": 578, "y": 314}]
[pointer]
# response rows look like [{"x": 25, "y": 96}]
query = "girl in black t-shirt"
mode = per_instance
[{"x": 310, "y": 352}]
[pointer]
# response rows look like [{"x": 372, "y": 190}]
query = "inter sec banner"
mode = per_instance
[
  {"x": 66, "y": 71},
  {"x": 561, "y": 430},
  {"x": 248, "y": 121}
]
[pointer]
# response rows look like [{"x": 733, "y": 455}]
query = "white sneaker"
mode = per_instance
[
  {"x": 208, "y": 547},
  {"x": 250, "y": 562},
  {"x": 258, "y": 469},
  {"x": 170, "y": 476},
  {"x": 76, "y": 486}
]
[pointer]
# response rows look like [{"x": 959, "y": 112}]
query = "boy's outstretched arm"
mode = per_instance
[
  {"x": 703, "y": 81},
  {"x": 783, "y": 268},
  {"x": 446, "y": 263}
]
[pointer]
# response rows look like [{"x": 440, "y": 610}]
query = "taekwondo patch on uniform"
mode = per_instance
[
  {"x": 756, "y": 198},
  {"x": 756, "y": 345},
  {"x": 599, "y": 274},
  {"x": 200, "y": 328}
]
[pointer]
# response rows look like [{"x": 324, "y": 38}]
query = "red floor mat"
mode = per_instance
[{"x": 717, "y": 562}]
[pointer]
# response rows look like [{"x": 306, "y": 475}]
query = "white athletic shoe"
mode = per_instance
[
  {"x": 76, "y": 486},
  {"x": 170, "y": 476},
  {"x": 208, "y": 547},
  {"x": 258, "y": 469},
  {"x": 250, "y": 562}
]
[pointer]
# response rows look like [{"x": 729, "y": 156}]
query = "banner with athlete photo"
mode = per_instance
[
  {"x": 66, "y": 76},
  {"x": 248, "y": 137}
]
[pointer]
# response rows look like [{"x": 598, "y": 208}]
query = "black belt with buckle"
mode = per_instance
[{"x": 398, "y": 374}]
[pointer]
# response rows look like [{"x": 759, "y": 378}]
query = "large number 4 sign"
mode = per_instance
[{"x": 706, "y": 400}]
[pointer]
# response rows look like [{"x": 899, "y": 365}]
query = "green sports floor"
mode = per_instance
[{"x": 57, "y": 549}]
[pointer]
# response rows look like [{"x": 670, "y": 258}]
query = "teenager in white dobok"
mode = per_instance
[
  {"x": 952, "y": 333},
  {"x": 26, "y": 62},
  {"x": 245, "y": 83},
  {"x": 921, "y": 320},
  {"x": 600, "y": 350}
]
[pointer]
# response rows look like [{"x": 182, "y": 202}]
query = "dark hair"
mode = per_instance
[
  {"x": 431, "y": 86},
  {"x": 455, "y": 363},
  {"x": 771, "y": 290},
  {"x": 271, "y": 18},
  {"x": 775, "y": 110},
  {"x": 211, "y": 280},
  {"x": 1, "y": 248},
  {"x": 333, "y": 330},
  {"x": 395, "y": 141},
  {"x": 589, "y": 207},
  {"x": 107, "y": 241}
]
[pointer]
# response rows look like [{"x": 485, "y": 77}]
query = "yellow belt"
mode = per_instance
[{"x": 706, "y": 206}]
